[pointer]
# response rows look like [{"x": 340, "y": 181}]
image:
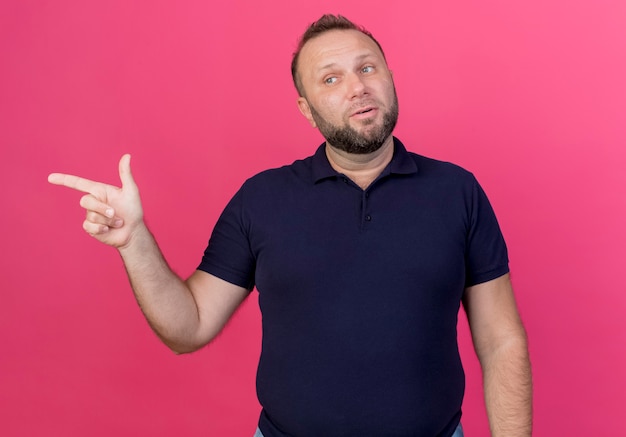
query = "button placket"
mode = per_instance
[{"x": 365, "y": 214}]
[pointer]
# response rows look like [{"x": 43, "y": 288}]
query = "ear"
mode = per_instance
[{"x": 305, "y": 109}]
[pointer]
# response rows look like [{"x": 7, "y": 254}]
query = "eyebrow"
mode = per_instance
[{"x": 358, "y": 58}]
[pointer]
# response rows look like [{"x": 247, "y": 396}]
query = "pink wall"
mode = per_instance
[{"x": 530, "y": 96}]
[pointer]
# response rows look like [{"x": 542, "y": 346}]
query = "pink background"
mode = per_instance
[{"x": 530, "y": 96}]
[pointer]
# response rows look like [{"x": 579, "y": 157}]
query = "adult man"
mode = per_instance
[{"x": 361, "y": 255}]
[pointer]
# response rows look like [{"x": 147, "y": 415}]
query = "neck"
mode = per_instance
[{"x": 361, "y": 169}]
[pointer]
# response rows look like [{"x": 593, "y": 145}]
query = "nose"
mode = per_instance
[{"x": 356, "y": 86}]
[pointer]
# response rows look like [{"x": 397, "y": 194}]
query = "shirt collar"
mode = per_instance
[{"x": 401, "y": 163}]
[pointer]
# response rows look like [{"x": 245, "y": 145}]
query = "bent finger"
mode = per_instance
[
  {"x": 95, "y": 228},
  {"x": 91, "y": 203},
  {"x": 99, "y": 219}
]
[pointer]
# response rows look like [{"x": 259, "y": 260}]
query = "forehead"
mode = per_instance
[{"x": 336, "y": 46}]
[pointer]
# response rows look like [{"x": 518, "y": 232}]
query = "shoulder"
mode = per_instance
[
  {"x": 442, "y": 172},
  {"x": 273, "y": 184},
  {"x": 424, "y": 167},
  {"x": 299, "y": 169}
]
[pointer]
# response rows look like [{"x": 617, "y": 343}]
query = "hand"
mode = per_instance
[{"x": 113, "y": 214}]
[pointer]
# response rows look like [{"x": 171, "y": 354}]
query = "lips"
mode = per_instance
[{"x": 362, "y": 111}]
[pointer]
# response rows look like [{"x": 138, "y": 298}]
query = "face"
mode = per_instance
[{"x": 348, "y": 91}]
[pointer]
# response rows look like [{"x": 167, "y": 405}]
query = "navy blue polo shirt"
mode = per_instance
[{"x": 359, "y": 291}]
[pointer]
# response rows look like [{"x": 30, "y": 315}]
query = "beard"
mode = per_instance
[{"x": 350, "y": 140}]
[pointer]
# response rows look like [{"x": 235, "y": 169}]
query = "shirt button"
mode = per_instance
[{"x": 368, "y": 218}]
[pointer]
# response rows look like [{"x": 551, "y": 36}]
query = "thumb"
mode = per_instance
[{"x": 125, "y": 174}]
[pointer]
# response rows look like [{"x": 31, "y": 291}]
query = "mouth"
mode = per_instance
[{"x": 364, "y": 111}]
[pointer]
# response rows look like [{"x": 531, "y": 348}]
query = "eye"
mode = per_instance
[
  {"x": 367, "y": 69},
  {"x": 330, "y": 80}
]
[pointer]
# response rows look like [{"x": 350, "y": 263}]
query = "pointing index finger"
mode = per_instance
[{"x": 75, "y": 182}]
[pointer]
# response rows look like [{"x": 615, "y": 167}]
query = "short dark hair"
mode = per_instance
[{"x": 326, "y": 23}]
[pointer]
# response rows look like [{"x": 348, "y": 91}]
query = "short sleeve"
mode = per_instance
[
  {"x": 486, "y": 252},
  {"x": 228, "y": 255}
]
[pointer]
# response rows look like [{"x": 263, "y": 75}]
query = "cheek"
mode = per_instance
[
  {"x": 384, "y": 89},
  {"x": 391, "y": 91},
  {"x": 329, "y": 107},
  {"x": 330, "y": 101}
]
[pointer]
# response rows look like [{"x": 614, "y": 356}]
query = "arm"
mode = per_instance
[
  {"x": 186, "y": 315},
  {"x": 501, "y": 346}
]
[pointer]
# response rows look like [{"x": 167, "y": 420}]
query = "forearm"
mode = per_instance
[
  {"x": 163, "y": 297},
  {"x": 508, "y": 389}
]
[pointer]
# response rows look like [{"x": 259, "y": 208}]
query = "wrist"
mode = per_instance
[{"x": 137, "y": 239}]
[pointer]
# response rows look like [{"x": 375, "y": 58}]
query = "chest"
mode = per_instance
[{"x": 360, "y": 238}]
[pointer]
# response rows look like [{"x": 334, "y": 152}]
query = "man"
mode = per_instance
[{"x": 361, "y": 255}]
